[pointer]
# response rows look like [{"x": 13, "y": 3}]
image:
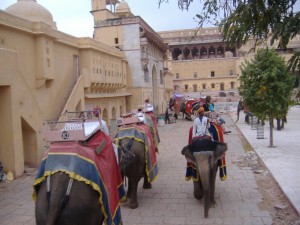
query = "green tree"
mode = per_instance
[
  {"x": 240, "y": 20},
  {"x": 266, "y": 86}
]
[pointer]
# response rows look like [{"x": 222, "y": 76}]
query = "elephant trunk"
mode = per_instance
[{"x": 205, "y": 162}]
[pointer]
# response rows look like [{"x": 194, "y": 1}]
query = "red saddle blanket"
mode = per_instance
[
  {"x": 142, "y": 132},
  {"x": 217, "y": 134},
  {"x": 82, "y": 163}
]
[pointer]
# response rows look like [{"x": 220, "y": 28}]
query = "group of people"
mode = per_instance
[{"x": 201, "y": 122}]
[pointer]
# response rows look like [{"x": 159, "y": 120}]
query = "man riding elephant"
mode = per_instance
[{"x": 203, "y": 165}]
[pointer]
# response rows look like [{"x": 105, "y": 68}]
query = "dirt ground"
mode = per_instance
[{"x": 274, "y": 200}]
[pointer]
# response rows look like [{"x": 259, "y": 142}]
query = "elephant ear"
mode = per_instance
[
  {"x": 221, "y": 148},
  {"x": 186, "y": 151}
]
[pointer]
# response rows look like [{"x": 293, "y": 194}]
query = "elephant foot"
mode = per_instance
[
  {"x": 133, "y": 205},
  {"x": 198, "y": 196},
  {"x": 147, "y": 186},
  {"x": 212, "y": 204}
]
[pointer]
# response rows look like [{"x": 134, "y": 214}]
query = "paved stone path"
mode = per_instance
[{"x": 171, "y": 200}]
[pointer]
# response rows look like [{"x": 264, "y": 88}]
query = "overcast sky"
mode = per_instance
[{"x": 74, "y": 17}]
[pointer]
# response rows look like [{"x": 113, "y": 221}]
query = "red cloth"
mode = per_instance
[
  {"x": 105, "y": 162},
  {"x": 178, "y": 101},
  {"x": 189, "y": 106},
  {"x": 142, "y": 132},
  {"x": 150, "y": 144},
  {"x": 153, "y": 117}
]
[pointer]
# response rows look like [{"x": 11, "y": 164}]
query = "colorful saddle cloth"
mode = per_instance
[
  {"x": 191, "y": 170},
  {"x": 142, "y": 133},
  {"x": 81, "y": 163},
  {"x": 149, "y": 120},
  {"x": 188, "y": 106}
]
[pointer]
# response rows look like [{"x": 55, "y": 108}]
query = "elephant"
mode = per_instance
[
  {"x": 204, "y": 154},
  {"x": 133, "y": 166},
  {"x": 175, "y": 105},
  {"x": 81, "y": 206},
  {"x": 188, "y": 107}
]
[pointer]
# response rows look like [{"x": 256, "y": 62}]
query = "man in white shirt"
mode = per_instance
[{"x": 201, "y": 124}]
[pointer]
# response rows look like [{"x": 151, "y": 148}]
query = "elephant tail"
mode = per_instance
[
  {"x": 127, "y": 157},
  {"x": 56, "y": 203}
]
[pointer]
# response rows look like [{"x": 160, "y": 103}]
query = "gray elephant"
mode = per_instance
[
  {"x": 81, "y": 206},
  {"x": 77, "y": 185},
  {"x": 133, "y": 166},
  {"x": 204, "y": 154}
]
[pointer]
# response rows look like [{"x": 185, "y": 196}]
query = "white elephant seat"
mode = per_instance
[{"x": 73, "y": 126}]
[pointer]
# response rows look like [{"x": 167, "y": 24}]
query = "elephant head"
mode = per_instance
[
  {"x": 134, "y": 168},
  {"x": 204, "y": 153}
]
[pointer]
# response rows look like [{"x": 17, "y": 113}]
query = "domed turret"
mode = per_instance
[
  {"x": 31, "y": 10},
  {"x": 123, "y": 10}
]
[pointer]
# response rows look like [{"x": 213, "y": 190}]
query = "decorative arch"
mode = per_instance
[
  {"x": 121, "y": 110},
  {"x": 113, "y": 113},
  {"x": 212, "y": 51},
  {"x": 220, "y": 51},
  {"x": 203, "y": 52},
  {"x": 175, "y": 53},
  {"x": 155, "y": 80},
  {"x": 195, "y": 53},
  {"x": 186, "y": 53},
  {"x": 105, "y": 115}
]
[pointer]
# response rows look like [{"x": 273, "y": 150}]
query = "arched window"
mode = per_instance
[
  {"x": 175, "y": 53},
  {"x": 212, "y": 51},
  {"x": 195, "y": 53},
  {"x": 186, "y": 53},
  {"x": 203, "y": 52}
]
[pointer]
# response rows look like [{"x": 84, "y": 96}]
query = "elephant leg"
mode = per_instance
[
  {"x": 147, "y": 184},
  {"x": 132, "y": 193},
  {"x": 198, "y": 190}
]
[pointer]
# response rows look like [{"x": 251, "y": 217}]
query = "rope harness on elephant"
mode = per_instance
[
  {"x": 66, "y": 197},
  {"x": 126, "y": 156}
]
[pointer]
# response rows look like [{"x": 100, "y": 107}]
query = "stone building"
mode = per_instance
[
  {"x": 144, "y": 49},
  {"x": 43, "y": 73},
  {"x": 201, "y": 63}
]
